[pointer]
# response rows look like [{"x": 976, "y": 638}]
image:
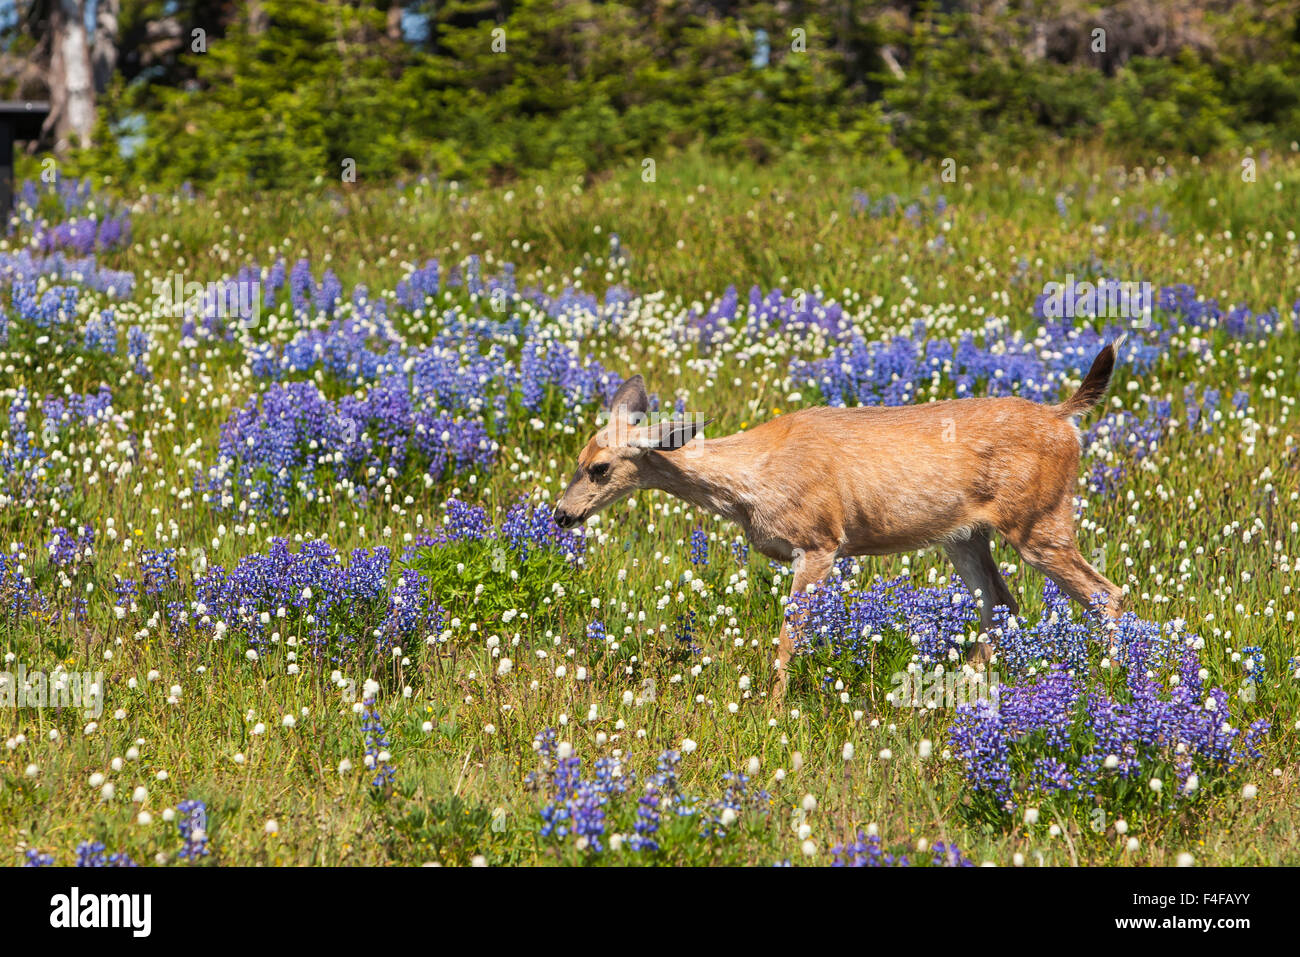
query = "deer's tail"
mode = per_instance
[{"x": 1093, "y": 387}]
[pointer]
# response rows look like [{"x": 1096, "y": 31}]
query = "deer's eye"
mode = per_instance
[{"x": 599, "y": 470}]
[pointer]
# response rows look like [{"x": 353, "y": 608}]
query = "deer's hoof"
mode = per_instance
[{"x": 979, "y": 654}]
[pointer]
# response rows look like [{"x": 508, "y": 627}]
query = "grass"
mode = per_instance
[{"x": 1204, "y": 529}]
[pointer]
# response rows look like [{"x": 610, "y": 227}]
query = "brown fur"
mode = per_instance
[{"x": 825, "y": 483}]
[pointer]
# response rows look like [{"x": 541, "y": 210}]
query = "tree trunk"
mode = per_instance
[
  {"x": 72, "y": 90},
  {"x": 103, "y": 57},
  {"x": 257, "y": 18}
]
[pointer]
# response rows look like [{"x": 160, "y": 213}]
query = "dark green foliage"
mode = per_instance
[
  {"x": 1168, "y": 106},
  {"x": 280, "y": 106},
  {"x": 496, "y": 90}
]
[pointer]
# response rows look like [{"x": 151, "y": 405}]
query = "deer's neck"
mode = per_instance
[{"x": 714, "y": 474}]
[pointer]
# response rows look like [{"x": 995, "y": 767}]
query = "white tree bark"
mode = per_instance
[{"x": 72, "y": 90}]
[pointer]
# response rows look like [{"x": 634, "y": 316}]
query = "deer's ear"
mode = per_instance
[
  {"x": 631, "y": 398},
  {"x": 668, "y": 436}
]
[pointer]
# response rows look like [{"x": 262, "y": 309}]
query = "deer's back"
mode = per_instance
[{"x": 883, "y": 479}]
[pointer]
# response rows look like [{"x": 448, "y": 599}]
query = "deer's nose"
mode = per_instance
[{"x": 565, "y": 519}]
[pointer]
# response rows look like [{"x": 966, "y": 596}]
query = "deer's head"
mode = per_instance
[{"x": 613, "y": 463}]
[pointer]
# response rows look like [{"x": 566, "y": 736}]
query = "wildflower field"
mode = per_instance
[{"x": 279, "y": 582}]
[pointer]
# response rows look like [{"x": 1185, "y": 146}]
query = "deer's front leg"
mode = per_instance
[{"x": 809, "y": 567}]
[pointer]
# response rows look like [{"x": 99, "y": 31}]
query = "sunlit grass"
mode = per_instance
[{"x": 460, "y": 788}]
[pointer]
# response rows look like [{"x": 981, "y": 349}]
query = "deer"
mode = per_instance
[{"x": 824, "y": 483}]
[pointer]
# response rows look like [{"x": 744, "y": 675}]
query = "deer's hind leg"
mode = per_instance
[
  {"x": 1049, "y": 545},
  {"x": 976, "y": 567}
]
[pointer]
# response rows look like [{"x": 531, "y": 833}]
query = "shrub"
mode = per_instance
[{"x": 1167, "y": 106}]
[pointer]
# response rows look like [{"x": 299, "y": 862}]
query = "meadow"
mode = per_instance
[{"x": 303, "y": 555}]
